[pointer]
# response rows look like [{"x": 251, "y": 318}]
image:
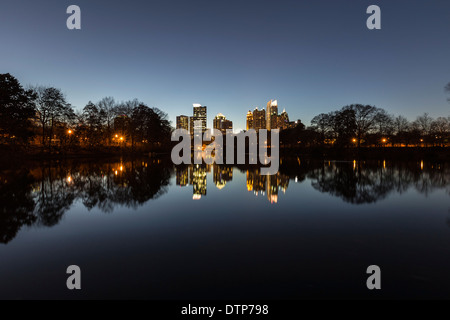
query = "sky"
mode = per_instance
[{"x": 232, "y": 56}]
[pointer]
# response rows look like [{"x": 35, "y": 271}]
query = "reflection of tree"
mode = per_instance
[
  {"x": 42, "y": 196},
  {"x": 361, "y": 182},
  {"x": 16, "y": 203},
  {"x": 53, "y": 198}
]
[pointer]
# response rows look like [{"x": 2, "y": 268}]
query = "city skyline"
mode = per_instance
[{"x": 310, "y": 66}]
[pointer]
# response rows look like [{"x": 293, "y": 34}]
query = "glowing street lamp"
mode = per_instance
[
  {"x": 117, "y": 135},
  {"x": 121, "y": 138},
  {"x": 384, "y": 140},
  {"x": 354, "y": 140},
  {"x": 69, "y": 131}
]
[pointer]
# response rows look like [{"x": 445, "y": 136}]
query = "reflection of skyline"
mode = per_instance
[
  {"x": 267, "y": 185},
  {"x": 41, "y": 195}
]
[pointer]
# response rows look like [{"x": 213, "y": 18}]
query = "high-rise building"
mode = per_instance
[
  {"x": 283, "y": 120},
  {"x": 227, "y": 125},
  {"x": 183, "y": 122},
  {"x": 272, "y": 115},
  {"x": 199, "y": 115},
  {"x": 259, "y": 119},
  {"x": 221, "y": 123},
  {"x": 249, "y": 120},
  {"x": 217, "y": 121}
]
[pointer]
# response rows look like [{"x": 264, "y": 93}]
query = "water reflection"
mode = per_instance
[{"x": 41, "y": 195}]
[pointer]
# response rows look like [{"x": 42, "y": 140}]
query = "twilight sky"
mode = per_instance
[{"x": 313, "y": 56}]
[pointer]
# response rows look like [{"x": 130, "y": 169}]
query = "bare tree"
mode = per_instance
[
  {"x": 108, "y": 107},
  {"x": 401, "y": 124}
]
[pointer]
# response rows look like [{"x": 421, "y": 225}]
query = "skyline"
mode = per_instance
[{"x": 233, "y": 57}]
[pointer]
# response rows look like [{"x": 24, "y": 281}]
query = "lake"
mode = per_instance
[{"x": 146, "y": 229}]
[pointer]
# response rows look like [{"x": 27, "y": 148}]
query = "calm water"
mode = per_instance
[{"x": 146, "y": 229}]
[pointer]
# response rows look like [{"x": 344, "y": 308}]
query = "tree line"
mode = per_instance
[
  {"x": 42, "y": 115},
  {"x": 360, "y": 125}
]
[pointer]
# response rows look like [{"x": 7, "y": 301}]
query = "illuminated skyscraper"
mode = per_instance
[
  {"x": 283, "y": 120},
  {"x": 259, "y": 119},
  {"x": 183, "y": 122},
  {"x": 249, "y": 120},
  {"x": 199, "y": 115},
  {"x": 272, "y": 115},
  {"x": 221, "y": 123}
]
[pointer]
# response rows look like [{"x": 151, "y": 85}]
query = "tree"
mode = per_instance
[
  {"x": 344, "y": 124},
  {"x": 53, "y": 111},
  {"x": 16, "y": 110},
  {"x": 440, "y": 129},
  {"x": 149, "y": 126},
  {"x": 365, "y": 119},
  {"x": 92, "y": 120},
  {"x": 108, "y": 107},
  {"x": 322, "y": 124}
]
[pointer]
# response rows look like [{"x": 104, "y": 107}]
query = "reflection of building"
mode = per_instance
[
  {"x": 222, "y": 174},
  {"x": 199, "y": 115},
  {"x": 183, "y": 122},
  {"x": 198, "y": 180},
  {"x": 272, "y": 115},
  {"x": 249, "y": 120},
  {"x": 259, "y": 119},
  {"x": 221, "y": 123},
  {"x": 260, "y": 184},
  {"x": 182, "y": 176}
]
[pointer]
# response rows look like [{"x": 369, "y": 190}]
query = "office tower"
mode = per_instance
[
  {"x": 272, "y": 115},
  {"x": 227, "y": 125},
  {"x": 217, "y": 121},
  {"x": 221, "y": 123},
  {"x": 259, "y": 119},
  {"x": 283, "y": 120},
  {"x": 199, "y": 115},
  {"x": 249, "y": 120},
  {"x": 183, "y": 122}
]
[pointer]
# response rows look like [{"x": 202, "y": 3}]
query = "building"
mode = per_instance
[
  {"x": 199, "y": 115},
  {"x": 249, "y": 120},
  {"x": 283, "y": 120},
  {"x": 217, "y": 121},
  {"x": 183, "y": 122},
  {"x": 221, "y": 123},
  {"x": 227, "y": 125},
  {"x": 259, "y": 119},
  {"x": 272, "y": 115}
]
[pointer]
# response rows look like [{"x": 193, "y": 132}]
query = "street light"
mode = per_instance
[
  {"x": 69, "y": 131},
  {"x": 384, "y": 140}
]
